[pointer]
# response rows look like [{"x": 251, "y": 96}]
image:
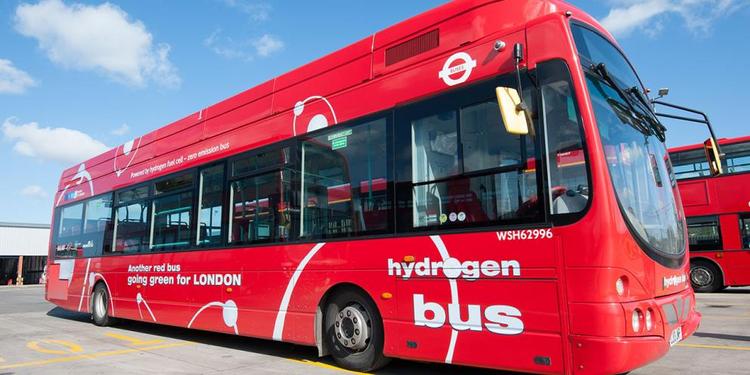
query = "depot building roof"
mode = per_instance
[{"x": 24, "y": 239}]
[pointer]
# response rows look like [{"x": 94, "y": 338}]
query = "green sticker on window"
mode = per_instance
[{"x": 338, "y": 143}]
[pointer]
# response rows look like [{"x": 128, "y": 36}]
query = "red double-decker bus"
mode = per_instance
[
  {"x": 718, "y": 213},
  {"x": 481, "y": 185}
]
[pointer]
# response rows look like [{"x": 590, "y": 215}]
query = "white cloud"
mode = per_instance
[
  {"x": 699, "y": 16},
  {"x": 227, "y": 47},
  {"x": 46, "y": 143},
  {"x": 257, "y": 11},
  {"x": 14, "y": 80},
  {"x": 102, "y": 38},
  {"x": 34, "y": 191},
  {"x": 121, "y": 130},
  {"x": 267, "y": 45}
]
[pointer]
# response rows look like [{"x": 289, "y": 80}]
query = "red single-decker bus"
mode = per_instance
[{"x": 386, "y": 201}]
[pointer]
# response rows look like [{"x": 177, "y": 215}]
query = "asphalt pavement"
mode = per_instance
[{"x": 39, "y": 338}]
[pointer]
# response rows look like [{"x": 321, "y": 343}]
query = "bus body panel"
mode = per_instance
[{"x": 520, "y": 297}]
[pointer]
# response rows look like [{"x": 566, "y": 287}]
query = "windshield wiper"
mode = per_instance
[
  {"x": 658, "y": 129},
  {"x": 628, "y": 114},
  {"x": 644, "y": 119}
]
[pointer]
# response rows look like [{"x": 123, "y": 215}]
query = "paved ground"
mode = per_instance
[{"x": 36, "y": 337}]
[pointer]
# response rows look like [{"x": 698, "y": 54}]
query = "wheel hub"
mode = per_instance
[
  {"x": 352, "y": 327},
  {"x": 701, "y": 276}
]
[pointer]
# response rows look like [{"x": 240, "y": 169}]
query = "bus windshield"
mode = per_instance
[{"x": 639, "y": 166}]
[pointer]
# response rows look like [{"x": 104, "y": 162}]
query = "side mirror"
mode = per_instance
[
  {"x": 713, "y": 157},
  {"x": 515, "y": 117}
]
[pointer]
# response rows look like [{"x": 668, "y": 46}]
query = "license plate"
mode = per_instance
[{"x": 676, "y": 336}]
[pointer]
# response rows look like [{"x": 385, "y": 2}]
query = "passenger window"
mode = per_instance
[
  {"x": 568, "y": 173},
  {"x": 171, "y": 221},
  {"x": 484, "y": 142},
  {"x": 210, "y": 202},
  {"x": 261, "y": 162},
  {"x": 435, "y": 152},
  {"x": 689, "y": 164},
  {"x": 745, "y": 230},
  {"x": 704, "y": 233},
  {"x": 262, "y": 208},
  {"x": 131, "y": 232},
  {"x": 345, "y": 181},
  {"x": 737, "y": 157},
  {"x": 97, "y": 226},
  {"x": 71, "y": 223},
  {"x": 172, "y": 213},
  {"x": 132, "y": 219},
  {"x": 69, "y": 229},
  {"x": 466, "y": 170}
]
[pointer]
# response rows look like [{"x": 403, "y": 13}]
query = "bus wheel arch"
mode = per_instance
[
  {"x": 354, "y": 301},
  {"x": 706, "y": 275}
]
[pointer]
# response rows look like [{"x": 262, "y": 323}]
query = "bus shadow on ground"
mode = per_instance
[
  {"x": 263, "y": 346},
  {"x": 721, "y": 336},
  {"x": 735, "y": 291}
]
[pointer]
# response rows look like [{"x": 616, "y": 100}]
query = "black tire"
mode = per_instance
[
  {"x": 365, "y": 355},
  {"x": 100, "y": 306},
  {"x": 705, "y": 277}
]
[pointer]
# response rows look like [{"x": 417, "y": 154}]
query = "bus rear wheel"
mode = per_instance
[
  {"x": 353, "y": 331},
  {"x": 705, "y": 277},
  {"x": 100, "y": 306}
]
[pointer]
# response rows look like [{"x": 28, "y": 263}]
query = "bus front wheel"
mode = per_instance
[
  {"x": 353, "y": 331},
  {"x": 705, "y": 277},
  {"x": 100, "y": 306}
]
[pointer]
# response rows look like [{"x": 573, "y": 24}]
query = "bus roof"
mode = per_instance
[
  {"x": 368, "y": 59},
  {"x": 722, "y": 141}
]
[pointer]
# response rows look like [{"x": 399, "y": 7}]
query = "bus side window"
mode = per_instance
[
  {"x": 68, "y": 232},
  {"x": 97, "y": 226},
  {"x": 745, "y": 230},
  {"x": 689, "y": 164},
  {"x": 172, "y": 213},
  {"x": 132, "y": 218},
  {"x": 261, "y": 208},
  {"x": 210, "y": 209},
  {"x": 704, "y": 233},
  {"x": 345, "y": 182},
  {"x": 737, "y": 157},
  {"x": 566, "y": 160}
]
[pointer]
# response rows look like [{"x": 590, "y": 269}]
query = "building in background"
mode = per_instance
[{"x": 23, "y": 249}]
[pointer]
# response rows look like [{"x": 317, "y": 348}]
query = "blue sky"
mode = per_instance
[{"x": 77, "y": 77}]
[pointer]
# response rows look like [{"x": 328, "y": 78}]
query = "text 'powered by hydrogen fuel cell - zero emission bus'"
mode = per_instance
[{"x": 483, "y": 184}]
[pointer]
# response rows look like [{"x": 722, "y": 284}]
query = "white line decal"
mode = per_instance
[
  {"x": 139, "y": 299},
  {"x": 454, "y": 296},
  {"x": 278, "y": 328},
  {"x": 85, "y": 279},
  {"x": 299, "y": 107},
  {"x": 62, "y": 194},
  {"x": 228, "y": 311},
  {"x": 117, "y": 171}
]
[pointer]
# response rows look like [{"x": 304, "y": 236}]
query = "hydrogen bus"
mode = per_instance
[
  {"x": 482, "y": 184},
  {"x": 718, "y": 214}
]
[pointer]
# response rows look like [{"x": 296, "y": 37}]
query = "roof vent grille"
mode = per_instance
[{"x": 412, "y": 47}]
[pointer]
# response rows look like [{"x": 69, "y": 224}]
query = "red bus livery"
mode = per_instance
[
  {"x": 718, "y": 214},
  {"x": 480, "y": 176}
]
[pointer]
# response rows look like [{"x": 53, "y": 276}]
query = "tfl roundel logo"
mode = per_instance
[{"x": 457, "y": 68}]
